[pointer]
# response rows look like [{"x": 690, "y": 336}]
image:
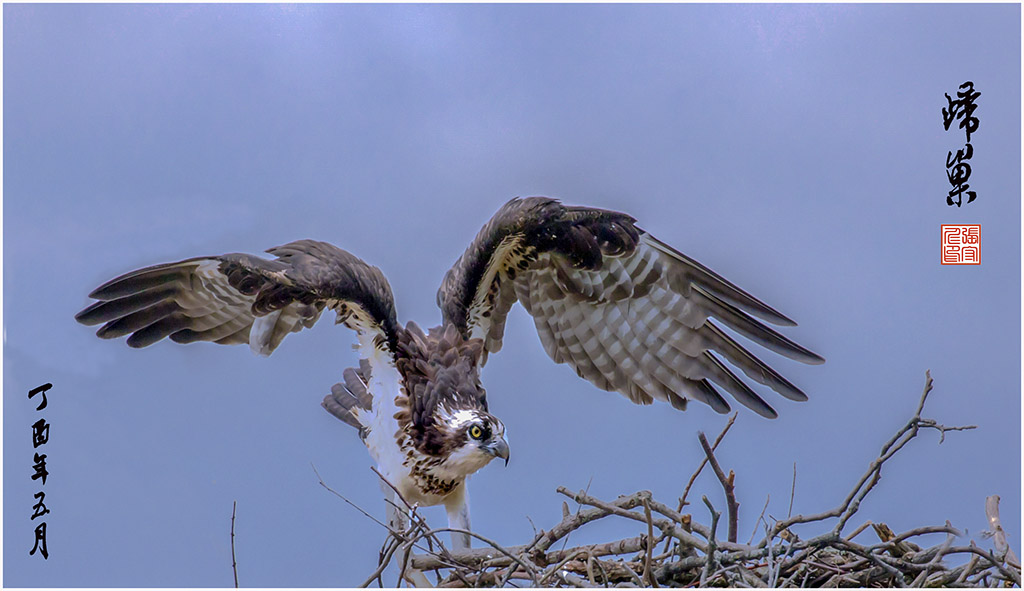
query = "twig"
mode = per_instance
[
  {"x": 358, "y": 508},
  {"x": 934, "y": 562},
  {"x": 234, "y": 565},
  {"x": 987, "y": 554},
  {"x": 710, "y": 556},
  {"x": 633, "y": 574},
  {"x": 648, "y": 573},
  {"x": 774, "y": 569},
  {"x": 621, "y": 507},
  {"x": 553, "y": 569},
  {"x": 920, "y": 531},
  {"x": 404, "y": 564},
  {"x": 856, "y": 532},
  {"x": 877, "y": 559},
  {"x": 565, "y": 541},
  {"x": 531, "y": 570},
  {"x": 477, "y": 557},
  {"x": 792, "y": 493},
  {"x": 995, "y": 526},
  {"x": 590, "y": 573},
  {"x": 714, "y": 446},
  {"x": 968, "y": 569},
  {"x": 870, "y": 478},
  {"x": 382, "y": 564},
  {"x": 573, "y": 580},
  {"x": 760, "y": 517},
  {"x": 701, "y": 558},
  {"x": 700, "y": 467},
  {"x": 728, "y": 483},
  {"x": 398, "y": 493}
]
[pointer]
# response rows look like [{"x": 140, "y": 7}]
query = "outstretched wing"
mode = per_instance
[
  {"x": 628, "y": 312},
  {"x": 239, "y": 298}
]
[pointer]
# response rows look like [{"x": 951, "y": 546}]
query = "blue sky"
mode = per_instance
[{"x": 797, "y": 150}]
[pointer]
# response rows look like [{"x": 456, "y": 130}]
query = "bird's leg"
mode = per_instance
[
  {"x": 398, "y": 523},
  {"x": 396, "y": 519},
  {"x": 457, "y": 506}
]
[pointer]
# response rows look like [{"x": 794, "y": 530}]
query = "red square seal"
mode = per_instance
[{"x": 961, "y": 244}]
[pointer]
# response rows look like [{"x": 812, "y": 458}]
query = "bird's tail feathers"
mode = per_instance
[{"x": 350, "y": 401}]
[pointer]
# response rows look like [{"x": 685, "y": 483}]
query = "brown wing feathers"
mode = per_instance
[
  {"x": 521, "y": 230},
  {"x": 155, "y": 302},
  {"x": 219, "y": 298},
  {"x": 347, "y": 398},
  {"x": 626, "y": 311}
]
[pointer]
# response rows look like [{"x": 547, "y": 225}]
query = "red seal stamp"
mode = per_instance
[{"x": 961, "y": 244}]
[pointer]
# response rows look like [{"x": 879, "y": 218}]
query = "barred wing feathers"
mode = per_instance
[
  {"x": 347, "y": 399},
  {"x": 628, "y": 312},
  {"x": 240, "y": 298}
]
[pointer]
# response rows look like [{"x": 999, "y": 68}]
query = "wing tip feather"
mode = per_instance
[{"x": 722, "y": 287}]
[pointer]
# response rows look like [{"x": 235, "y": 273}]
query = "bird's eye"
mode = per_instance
[{"x": 476, "y": 432}]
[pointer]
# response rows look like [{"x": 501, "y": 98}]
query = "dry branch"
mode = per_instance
[
  {"x": 995, "y": 527},
  {"x": 728, "y": 484},
  {"x": 234, "y": 563},
  {"x": 694, "y": 556}
]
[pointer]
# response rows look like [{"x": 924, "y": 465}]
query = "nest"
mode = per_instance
[{"x": 675, "y": 550}]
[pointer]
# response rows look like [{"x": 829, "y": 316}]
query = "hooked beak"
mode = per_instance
[{"x": 499, "y": 449}]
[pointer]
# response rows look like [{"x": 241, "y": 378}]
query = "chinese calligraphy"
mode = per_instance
[
  {"x": 40, "y": 435},
  {"x": 958, "y": 171}
]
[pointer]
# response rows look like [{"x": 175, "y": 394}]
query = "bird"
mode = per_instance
[{"x": 629, "y": 313}]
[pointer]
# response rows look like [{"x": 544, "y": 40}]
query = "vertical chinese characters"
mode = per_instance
[
  {"x": 40, "y": 436},
  {"x": 957, "y": 170}
]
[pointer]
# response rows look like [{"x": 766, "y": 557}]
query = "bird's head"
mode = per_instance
[
  {"x": 474, "y": 438},
  {"x": 447, "y": 415}
]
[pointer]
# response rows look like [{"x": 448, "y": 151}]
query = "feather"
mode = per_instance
[
  {"x": 219, "y": 298},
  {"x": 626, "y": 311},
  {"x": 349, "y": 400}
]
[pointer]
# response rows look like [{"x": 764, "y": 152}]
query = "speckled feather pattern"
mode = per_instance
[{"x": 627, "y": 312}]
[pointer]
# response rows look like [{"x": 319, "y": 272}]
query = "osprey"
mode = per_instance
[{"x": 629, "y": 313}]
